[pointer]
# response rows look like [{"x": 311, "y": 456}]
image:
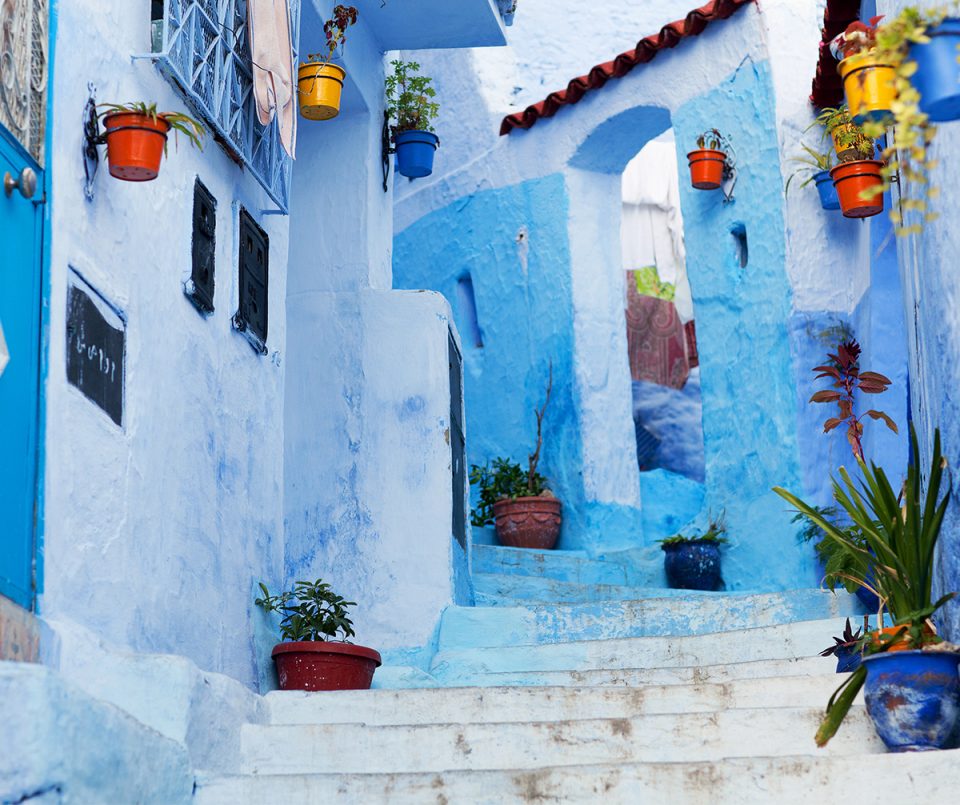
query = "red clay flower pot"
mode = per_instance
[
  {"x": 135, "y": 145},
  {"x": 313, "y": 665},
  {"x": 706, "y": 168},
  {"x": 851, "y": 179},
  {"x": 528, "y": 522}
]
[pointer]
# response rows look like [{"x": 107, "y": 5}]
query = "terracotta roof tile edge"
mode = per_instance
[{"x": 647, "y": 48}]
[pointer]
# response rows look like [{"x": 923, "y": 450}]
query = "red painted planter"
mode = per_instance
[
  {"x": 706, "y": 168},
  {"x": 851, "y": 179},
  {"x": 312, "y": 665},
  {"x": 135, "y": 145},
  {"x": 528, "y": 522}
]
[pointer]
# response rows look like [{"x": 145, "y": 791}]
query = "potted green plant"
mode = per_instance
[
  {"x": 815, "y": 168},
  {"x": 867, "y": 74},
  {"x": 708, "y": 163},
  {"x": 693, "y": 563},
  {"x": 913, "y": 691},
  {"x": 525, "y": 512},
  {"x": 311, "y": 657},
  {"x": 412, "y": 110},
  {"x": 857, "y": 176},
  {"x": 319, "y": 81},
  {"x": 905, "y": 42},
  {"x": 136, "y": 137}
]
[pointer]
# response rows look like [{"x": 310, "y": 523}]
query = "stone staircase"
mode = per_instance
[{"x": 579, "y": 679}]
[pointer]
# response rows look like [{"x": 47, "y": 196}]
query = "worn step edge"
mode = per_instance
[
  {"x": 651, "y": 738},
  {"x": 791, "y": 780},
  {"x": 787, "y": 641},
  {"x": 516, "y": 704},
  {"x": 679, "y": 615}
]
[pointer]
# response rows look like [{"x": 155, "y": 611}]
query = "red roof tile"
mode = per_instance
[
  {"x": 670, "y": 36},
  {"x": 827, "y": 87}
]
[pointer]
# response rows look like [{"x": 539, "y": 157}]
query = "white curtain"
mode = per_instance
[{"x": 274, "y": 83}]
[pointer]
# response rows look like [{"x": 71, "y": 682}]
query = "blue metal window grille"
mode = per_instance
[{"x": 201, "y": 46}]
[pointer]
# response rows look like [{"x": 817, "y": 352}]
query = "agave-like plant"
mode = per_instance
[{"x": 900, "y": 533}]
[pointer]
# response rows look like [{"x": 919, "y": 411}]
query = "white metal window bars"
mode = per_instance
[
  {"x": 23, "y": 72},
  {"x": 205, "y": 52}
]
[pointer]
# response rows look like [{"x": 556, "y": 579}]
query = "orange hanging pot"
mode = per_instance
[
  {"x": 706, "y": 168},
  {"x": 135, "y": 145},
  {"x": 851, "y": 180}
]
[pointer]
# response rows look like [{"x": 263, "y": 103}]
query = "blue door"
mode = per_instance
[{"x": 21, "y": 245}]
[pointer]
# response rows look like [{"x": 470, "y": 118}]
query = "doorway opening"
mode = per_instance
[{"x": 661, "y": 329}]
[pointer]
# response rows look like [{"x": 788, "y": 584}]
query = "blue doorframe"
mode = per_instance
[{"x": 27, "y": 238}]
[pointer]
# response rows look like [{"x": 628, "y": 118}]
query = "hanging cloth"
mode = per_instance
[{"x": 271, "y": 50}]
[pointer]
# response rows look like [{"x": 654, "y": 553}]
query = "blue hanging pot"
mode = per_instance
[
  {"x": 829, "y": 199},
  {"x": 913, "y": 698},
  {"x": 937, "y": 78},
  {"x": 693, "y": 566},
  {"x": 415, "y": 151}
]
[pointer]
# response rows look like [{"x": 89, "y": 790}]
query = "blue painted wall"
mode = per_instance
[{"x": 749, "y": 408}]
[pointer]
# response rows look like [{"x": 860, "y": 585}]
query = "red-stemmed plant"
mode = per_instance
[{"x": 844, "y": 371}]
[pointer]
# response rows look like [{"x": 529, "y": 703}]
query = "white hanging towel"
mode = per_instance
[{"x": 271, "y": 48}]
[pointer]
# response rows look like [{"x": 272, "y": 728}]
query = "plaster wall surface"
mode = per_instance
[
  {"x": 153, "y": 531},
  {"x": 717, "y": 79},
  {"x": 368, "y": 504},
  {"x": 931, "y": 288}
]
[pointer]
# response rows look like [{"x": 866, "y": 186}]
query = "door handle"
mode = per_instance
[{"x": 26, "y": 183}]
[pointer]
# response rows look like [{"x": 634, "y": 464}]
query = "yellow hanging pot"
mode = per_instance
[
  {"x": 319, "y": 87},
  {"x": 869, "y": 87}
]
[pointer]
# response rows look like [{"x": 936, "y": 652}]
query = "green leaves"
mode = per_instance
[
  {"x": 506, "y": 479},
  {"x": 179, "y": 122},
  {"x": 409, "y": 98},
  {"x": 311, "y": 611}
]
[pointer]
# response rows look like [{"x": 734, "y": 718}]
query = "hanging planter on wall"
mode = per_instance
[
  {"x": 869, "y": 82},
  {"x": 829, "y": 199},
  {"x": 320, "y": 87},
  {"x": 320, "y": 83},
  {"x": 410, "y": 103},
  {"x": 937, "y": 78},
  {"x": 136, "y": 138},
  {"x": 854, "y": 182},
  {"x": 711, "y": 164}
]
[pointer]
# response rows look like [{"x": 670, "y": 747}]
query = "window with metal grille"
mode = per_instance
[
  {"x": 251, "y": 317},
  {"x": 201, "y": 46},
  {"x": 457, "y": 442},
  {"x": 200, "y": 287},
  {"x": 23, "y": 72}
]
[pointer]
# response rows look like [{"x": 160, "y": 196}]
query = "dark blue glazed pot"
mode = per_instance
[
  {"x": 938, "y": 74},
  {"x": 868, "y": 599},
  {"x": 913, "y": 698},
  {"x": 693, "y": 566},
  {"x": 829, "y": 199},
  {"x": 848, "y": 659},
  {"x": 415, "y": 151}
]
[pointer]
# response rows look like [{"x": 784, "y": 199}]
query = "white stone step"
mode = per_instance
[
  {"x": 683, "y": 613},
  {"x": 659, "y": 738},
  {"x": 638, "y": 677},
  {"x": 515, "y": 704},
  {"x": 917, "y": 779},
  {"x": 788, "y": 641}
]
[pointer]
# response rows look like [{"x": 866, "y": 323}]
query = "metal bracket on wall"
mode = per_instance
[
  {"x": 385, "y": 151},
  {"x": 91, "y": 139},
  {"x": 729, "y": 172}
]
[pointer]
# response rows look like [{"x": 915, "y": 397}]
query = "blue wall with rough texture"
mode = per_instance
[
  {"x": 749, "y": 408},
  {"x": 511, "y": 244}
]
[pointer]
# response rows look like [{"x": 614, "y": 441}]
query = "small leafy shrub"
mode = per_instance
[
  {"x": 335, "y": 29},
  {"x": 839, "y": 564},
  {"x": 410, "y": 97},
  {"x": 713, "y": 535},
  {"x": 844, "y": 371},
  {"x": 505, "y": 480},
  {"x": 311, "y": 612},
  {"x": 848, "y": 640}
]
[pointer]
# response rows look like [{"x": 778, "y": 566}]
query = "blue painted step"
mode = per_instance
[
  {"x": 495, "y": 590},
  {"x": 678, "y": 613},
  {"x": 642, "y": 568}
]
